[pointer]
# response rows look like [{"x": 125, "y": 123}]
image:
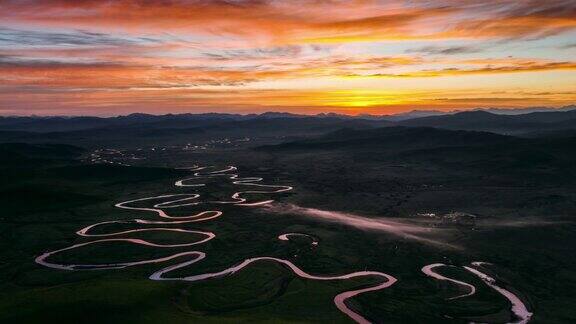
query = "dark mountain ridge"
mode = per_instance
[
  {"x": 391, "y": 138},
  {"x": 504, "y": 124},
  {"x": 431, "y": 118}
]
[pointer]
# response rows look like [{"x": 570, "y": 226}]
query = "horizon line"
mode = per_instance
[{"x": 329, "y": 113}]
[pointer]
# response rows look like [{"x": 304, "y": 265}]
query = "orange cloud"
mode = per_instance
[
  {"x": 520, "y": 66},
  {"x": 315, "y": 21},
  {"x": 166, "y": 73}
]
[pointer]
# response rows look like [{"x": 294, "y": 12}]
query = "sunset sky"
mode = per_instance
[{"x": 97, "y": 57}]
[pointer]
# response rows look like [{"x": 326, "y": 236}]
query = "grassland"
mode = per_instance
[{"x": 48, "y": 194}]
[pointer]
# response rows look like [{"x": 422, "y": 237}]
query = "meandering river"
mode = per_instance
[
  {"x": 192, "y": 199},
  {"x": 188, "y": 258}
]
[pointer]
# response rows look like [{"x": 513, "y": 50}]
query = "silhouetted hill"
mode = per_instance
[
  {"x": 169, "y": 130},
  {"x": 504, "y": 124},
  {"x": 391, "y": 138},
  {"x": 548, "y": 117},
  {"x": 482, "y": 156},
  {"x": 142, "y": 129},
  {"x": 492, "y": 119},
  {"x": 292, "y": 126},
  {"x": 65, "y": 124},
  {"x": 47, "y": 124}
]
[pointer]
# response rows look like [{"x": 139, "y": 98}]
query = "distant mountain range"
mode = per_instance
[
  {"x": 181, "y": 128},
  {"x": 52, "y": 124}
]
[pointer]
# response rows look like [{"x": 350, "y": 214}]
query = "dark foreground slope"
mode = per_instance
[
  {"x": 522, "y": 192},
  {"x": 418, "y": 158},
  {"x": 47, "y": 194}
]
